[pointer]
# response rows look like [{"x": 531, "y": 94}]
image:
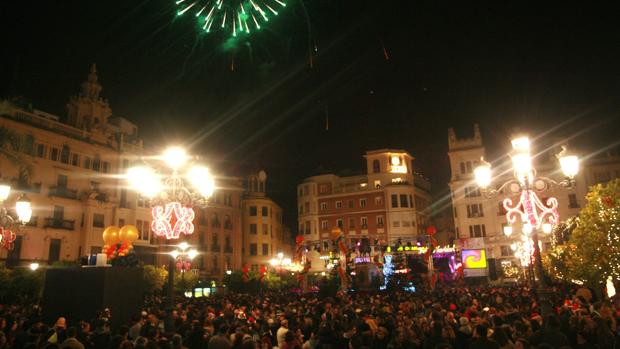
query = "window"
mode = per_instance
[
  {"x": 351, "y": 204},
  {"x": 307, "y": 227},
  {"x": 338, "y": 204},
  {"x": 305, "y": 190},
  {"x": 394, "y": 200},
  {"x": 323, "y": 206},
  {"x": 265, "y": 211},
  {"x": 572, "y": 201},
  {"x": 301, "y": 209},
  {"x": 265, "y": 249},
  {"x": 227, "y": 246},
  {"x": 376, "y": 166},
  {"x": 471, "y": 192},
  {"x": 301, "y": 192},
  {"x": 146, "y": 229},
  {"x": 41, "y": 151},
  {"x": 378, "y": 201},
  {"x": 96, "y": 163},
  {"x": 505, "y": 251},
  {"x": 54, "y": 154},
  {"x": 340, "y": 223},
  {"x": 323, "y": 188},
  {"x": 601, "y": 177},
  {"x": 380, "y": 221},
  {"x": 462, "y": 167},
  {"x": 61, "y": 182},
  {"x": 64, "y": 154},
  {"x": 477, "y": 231},
  {"x": 227, "y": 222},
  {"x": 87, "y": 162},
  {"x": 253, "y": 251},
  {"x": 351, "y": 223},
  {"x": 253, "y": 211},
  {"x": 362, "y": 203},
  {"x": 324, "y": 225},
  {"x": 403, "y": 200},
  {"x": 468, "y": 166},
  {"x": 306, "y": 207},
  {"x": 377, "y": 183},
  {"x": 474, "y": 211},
  {"x": 253, "y": 229},
  {"x": 396, "y": 224},
  {"x": 98, "y": 220},
  {"x": 121, "y": 222},
  {"x": 215, "y": 221},
  {"x": 75, "y": 160},
  {"x": 215, "y": 243},
  {"x": 106, "y": 167},
  {"x": 265, "y": 229},
  {"x": 364, "y": 221},
  {"x": 411, "y": 201}
]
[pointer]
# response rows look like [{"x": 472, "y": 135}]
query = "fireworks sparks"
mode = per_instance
[{"x": 234, "y": 17}]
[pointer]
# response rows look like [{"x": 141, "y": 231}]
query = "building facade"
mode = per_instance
[
  {"x": 389, "y": 203},
  {"x": 264, "y": 235},
  {"x": 70, "y": 168},
  {"x": 479, "y": 221}
]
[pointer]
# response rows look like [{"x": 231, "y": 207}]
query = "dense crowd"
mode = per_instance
[{"x": 457, "y": 317}]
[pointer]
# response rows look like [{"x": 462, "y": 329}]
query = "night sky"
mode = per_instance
[{"x": 256, "y": 103}]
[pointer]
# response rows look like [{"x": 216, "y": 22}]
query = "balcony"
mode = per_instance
[
  {"x": 51, "y": 222},
  {"x": 63, "y": 192}
]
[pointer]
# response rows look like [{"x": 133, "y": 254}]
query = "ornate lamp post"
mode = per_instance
[
  {"x": 183, "y": 257},
  {"x": 8, "y": 223},
  {"x": 174, "y": 191},
  {"x": 533, "y": 214}
]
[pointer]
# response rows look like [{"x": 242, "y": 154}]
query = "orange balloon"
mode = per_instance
[
  {"x": 128, "y": 234},
  {"x": 110, "y": 235}
]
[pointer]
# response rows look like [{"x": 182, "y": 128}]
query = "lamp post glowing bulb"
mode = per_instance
[
  {"x": 5, "y": 190},
  {"x": 175, "y": 157},
  {"x": 483, "y": 174},
  {"x": 34, "y": 266},
  {"x": 183, "y": 246}
]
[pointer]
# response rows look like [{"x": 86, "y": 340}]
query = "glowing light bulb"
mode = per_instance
[
  {"x": 183, "y": 246},
  {"x": 144, "y": 180},
  {"x": 202, "y": 180},
  {"x": 483, "y": 174},
  {"x": 547, "y": 228},
  {"x": 508, "y": 230},
  {"x": 5, "y": 190},
  {"x": 23, "y": 209},
  {"x": 569, "y": 165},
  {"x": 175, "y": 157}
]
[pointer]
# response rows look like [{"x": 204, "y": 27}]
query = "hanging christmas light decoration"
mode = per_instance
[
  {"x": 172, "y": 220},
  {"x": 232, "y": 16},
  {"x": 7, "y": 237},
  {"x": 531, "y": 210}
]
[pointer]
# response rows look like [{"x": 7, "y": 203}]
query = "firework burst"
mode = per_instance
[{"x": 235, "y": 17}]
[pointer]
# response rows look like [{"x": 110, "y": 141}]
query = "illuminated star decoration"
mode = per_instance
[
  {"x": 172, "y": 220},
  {"x": 232, "y": 16}
]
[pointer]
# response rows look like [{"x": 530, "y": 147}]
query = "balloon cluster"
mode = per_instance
[{"x": 119, "y": 245}]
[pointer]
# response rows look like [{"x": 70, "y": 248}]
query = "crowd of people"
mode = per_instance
[{"x": 449, "y": 317}]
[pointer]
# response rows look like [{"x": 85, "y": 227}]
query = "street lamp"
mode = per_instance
[
  {"x": 174, "y": 189},
  {"x": 8, "y": 223},
  {"x": 534, "y": 214}
]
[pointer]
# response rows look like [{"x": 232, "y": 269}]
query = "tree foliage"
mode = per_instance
[
  {"x": 21, "y": 285},
  {"x": 154, "y": 279},
  {"x": 591, "y": 253}
]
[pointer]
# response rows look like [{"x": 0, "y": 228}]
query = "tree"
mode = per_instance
[
  {"x": 591, "y": 253},
  {"x": 154, "y": 279}
]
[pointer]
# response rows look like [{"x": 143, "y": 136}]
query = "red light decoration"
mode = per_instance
[
  {"x": 6, "y": 238},
  {"x": 431, "y": 230},
  {"x": 172, "y": 220}
]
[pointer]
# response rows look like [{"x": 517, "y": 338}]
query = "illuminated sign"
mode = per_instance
[
  {"x": 474, "y": 259},
  {"x": 361, "y": 260}
]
